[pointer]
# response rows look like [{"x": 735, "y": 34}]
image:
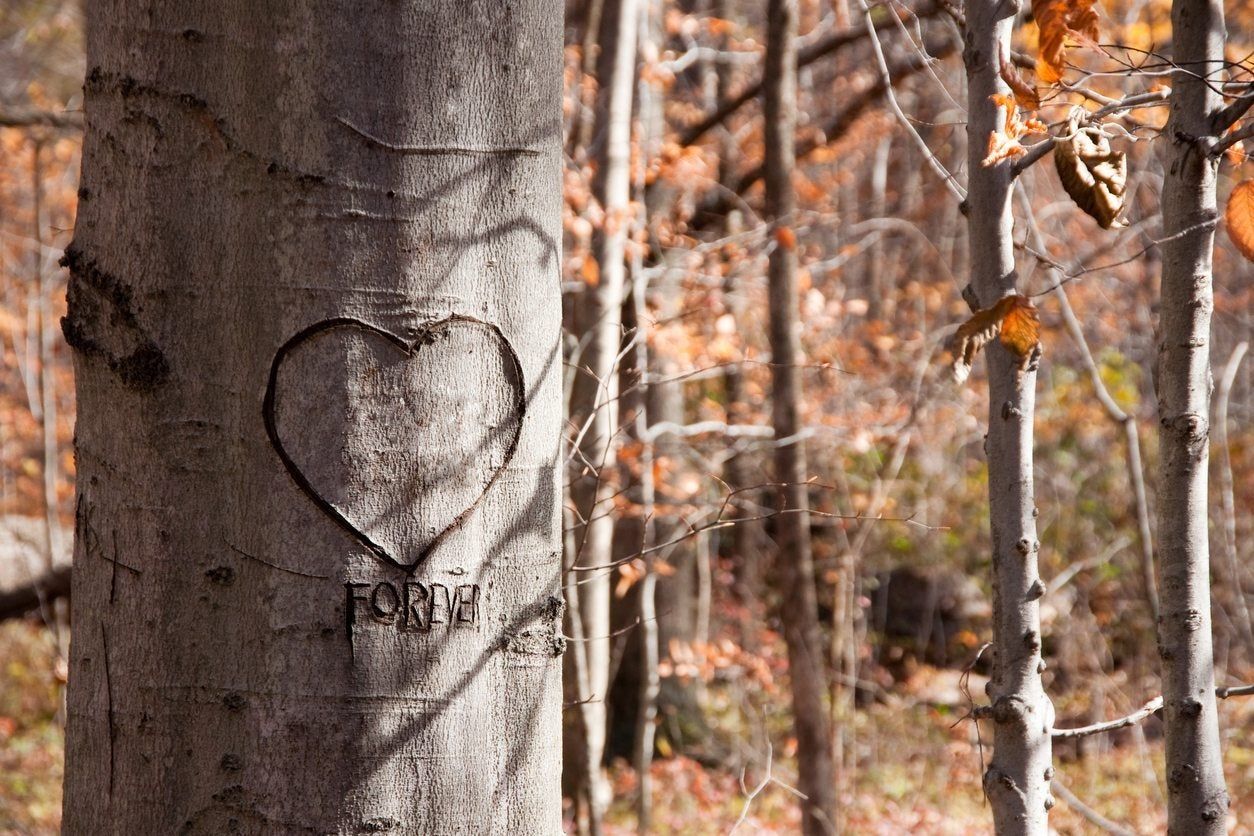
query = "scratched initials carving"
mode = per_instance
[{"x": 396, "y": 438}]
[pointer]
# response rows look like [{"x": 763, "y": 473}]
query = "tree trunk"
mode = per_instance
[
  {"x": 795, "y": 569},
  {"x": 315, "y": 313},
  {"x": 1197, "y": 799},
  {"x": 1018, "y": 776},
  {"x": 594, "y": 397}
]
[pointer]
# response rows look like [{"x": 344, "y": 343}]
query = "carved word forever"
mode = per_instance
[{"x": 412, "y": 606}]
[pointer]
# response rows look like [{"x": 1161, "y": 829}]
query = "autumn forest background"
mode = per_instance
[{"x": 897, "y": 475}]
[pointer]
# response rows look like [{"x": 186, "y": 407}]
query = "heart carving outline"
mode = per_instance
[{"x": 422, "y": 336}]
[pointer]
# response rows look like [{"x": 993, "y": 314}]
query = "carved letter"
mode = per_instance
[
  {"x": 466, "y": 608},
  {"x": 350, "y": 603},
  {"x": 413, "y": 617},
  {"x": 381, "y": 613},
  {"x": 434, "y": 609}
]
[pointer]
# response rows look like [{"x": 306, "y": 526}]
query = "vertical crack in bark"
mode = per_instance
[{"x": 112, "y": 726}]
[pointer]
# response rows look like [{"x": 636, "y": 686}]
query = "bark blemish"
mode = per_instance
[
  {"x": 100, "y": 322},
  {"x": 221, "y": 575},
  {"x": 1215, "y": 807},
  {"x": 235, "y": 701},
  {"x": 545, "y": 639}
]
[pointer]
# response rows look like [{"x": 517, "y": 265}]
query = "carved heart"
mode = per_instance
[{"x": 397, "y": 440}]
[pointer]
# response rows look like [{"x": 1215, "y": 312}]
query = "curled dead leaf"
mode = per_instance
[
  {"x": 1004, "y": 144},
  {"x": 1012, "y": 317},
  {"x": 1094, "y": 174},
  {"x": 1239, "y": 216},
  {"x": 1025, "y": 92},
  {"x": 1060, "y": 22}
]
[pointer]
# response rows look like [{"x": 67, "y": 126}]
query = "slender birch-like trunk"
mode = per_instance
[
  {"x": 315, "y": 310},
  {"x": 594, "y": 397},
  {"x": 1197, "y": 800},
  {"x": 1018, "y": 775},
  {"x": 795, "y": 568}
]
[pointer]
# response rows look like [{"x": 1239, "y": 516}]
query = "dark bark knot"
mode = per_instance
[
  {"x": 1190, "y": 708},
  {"x": 1011, "y": 709},
  {"x": 221, "y": 575},
  {"x": 1190, "y": 427},
  {"x": 380, "y": 825},
  {"x": 231, "y": 763},
  {"x": 1179, "y": 779},
  {"x": 1215, "y": 807},
  {"x": 1035, "y": 591},
  {"x": 101, "y": 323},
  {"x": 235, "y": 701}
]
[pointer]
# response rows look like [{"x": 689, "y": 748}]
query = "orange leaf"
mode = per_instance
[
  {"x": 1240, "y": 217},
  {"x": 1060, "y": 21},
  {"x": 1004, "y": 144},
  {"x": 590, "y": 272},
  {"x": 1013, "y": 317},
  {"x": 1020, "y": 327},
  {"x": 786, "y": 238}
]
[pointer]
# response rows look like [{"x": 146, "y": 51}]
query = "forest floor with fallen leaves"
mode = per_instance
[{"x": 918, "y": 770}]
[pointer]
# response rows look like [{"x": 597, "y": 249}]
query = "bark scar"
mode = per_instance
[
  {"x": 100, "y": 323},
  {"x": 545, "y": 639}
]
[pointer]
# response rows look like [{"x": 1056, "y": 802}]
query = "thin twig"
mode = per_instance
[
  {"x": 1141, "y": 713},
  {"x": 1088, "y": 813}
]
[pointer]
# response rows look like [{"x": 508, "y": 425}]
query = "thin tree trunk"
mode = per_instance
[
  {"x": 1018, "y": 775},
  {"x": 649, "y": 682},
  {"x": 652, "y": 609},
  {"x": 56, "y": 612},
  {"x": 315, "y": 316},
  {"x": 795, "y": 568},
  {"x": 1228, "y": 507},
  {"x": 745, "y": 535},
  {"x": 1197, "y": 800},
  {"x": 47, "y": 380},
  {"x": 594, "y": 397},
  {"x": 880, "y": 304}
]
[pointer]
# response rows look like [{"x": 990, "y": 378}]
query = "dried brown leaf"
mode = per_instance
[
  {"x": 1060, "y": 21},
  {"x": 1025, "y": 92},
  {"x": 1012, "y": 317},
  {"x": 1094, "y": 174},
  {"x": 1004, "y": 144}
]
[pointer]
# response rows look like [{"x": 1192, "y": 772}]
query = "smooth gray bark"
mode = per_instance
[
  {"x": 1018, "y": 775},
  {"x": 315, "y": 309},
  {"x": 794, "y": 564},
  {"x": 1197, "y": 800}
]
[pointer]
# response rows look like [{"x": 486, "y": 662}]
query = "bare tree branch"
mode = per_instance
[{"x": 29, "y": 118}]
